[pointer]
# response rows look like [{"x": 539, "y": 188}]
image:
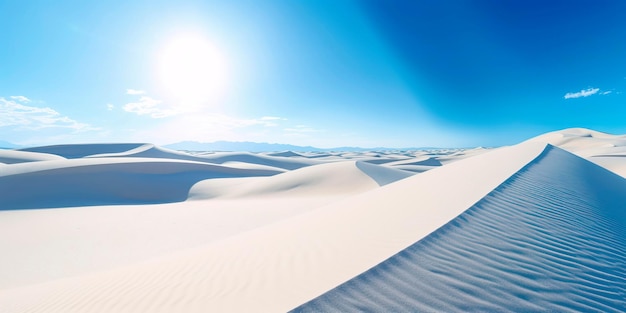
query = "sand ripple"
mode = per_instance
[{"x": 551, "y": 238}]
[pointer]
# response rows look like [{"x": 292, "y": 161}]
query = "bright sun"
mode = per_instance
[{"x": 192, "y": 71}]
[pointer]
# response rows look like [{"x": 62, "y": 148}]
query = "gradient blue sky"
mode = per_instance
[{"x": 323, "y": 73}]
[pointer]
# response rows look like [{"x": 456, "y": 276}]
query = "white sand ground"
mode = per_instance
[
  {"x": 108, "y": 236},
  {"x": 14, "y": 156},
  {"x": 606, "y": 150},
  {"x": 272, "y": 232},
  {"x": 549, "y": 239}
]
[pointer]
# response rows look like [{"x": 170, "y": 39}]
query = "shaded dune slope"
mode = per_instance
[
  {"x": 86, "y": 182},
  {"x": 149, "y": 150},
  {"x": 74, "y": 151},
  {"x": 550, "y": 238},
  {"x": 422, "y": 160},
  {"x": 287, "y": 163},
  {"x": 15, "y": 156},
  {"x": 146, "y": 150},
  {"x": 280, "y": 266},
  {"x": 288, "y": 154},
  {"x": 382, "y": 175},
  {"x": 606, "y": 150}
]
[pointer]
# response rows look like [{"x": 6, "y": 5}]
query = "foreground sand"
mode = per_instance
[{"x": 137, "y": 228}]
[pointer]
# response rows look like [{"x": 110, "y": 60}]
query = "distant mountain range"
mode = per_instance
[{"x": 265, "y": 147}]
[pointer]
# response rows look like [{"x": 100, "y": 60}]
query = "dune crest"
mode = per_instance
[
  {"x": 16, "y": 156},
  {"x": 106, "y": 181},
  {"x": 606, "y": 150},
  {"x": 74, "y": 151},
  {"x": 529, "y": 227},
  {"x": 284, "y": 264},
  {"x": 335, "y": 178},
  {"x": 552, "y": 237}
]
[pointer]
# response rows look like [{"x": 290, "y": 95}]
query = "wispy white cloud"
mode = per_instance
[
  {"x": 110, "y": 107},
  {"x": 273, "y": 118},
  {"x": 231, "y": 122},
  {"x": 211, "y": 126},
  {"x": 21, "y": 99},
  {"x": 302, "y": 129},
  {"x": 583, "y": 93},
  {"x": 134, "y": 92},
  {"x": 270, "y": 121},
  {"x": 14, "y": 113},
  {"x": 149, "y": 106},
  {"x": 606, "y": 92}
]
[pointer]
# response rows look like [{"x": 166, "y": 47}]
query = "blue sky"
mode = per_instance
[{"x": 322, "y": 73}]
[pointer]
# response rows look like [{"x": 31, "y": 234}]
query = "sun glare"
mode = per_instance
[{"x": 192, "y": 71}]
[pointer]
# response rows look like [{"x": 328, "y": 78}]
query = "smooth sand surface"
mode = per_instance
[
  {"x": 106, "y": 181},
  {"x": 15, "y": 156},
  {"x": 550, "y": 238},
  {"x": 138, "y": 228},
  {"x": 287, "y": 262},
  {"x": 606, "y": 150}
]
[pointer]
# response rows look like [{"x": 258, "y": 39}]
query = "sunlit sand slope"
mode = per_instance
[
  {"x": 284, "y": 264},
  {"x": 347, "y": 177},
  {"x": 550, "y": 238},
  {"x": 606, "y": 150}
]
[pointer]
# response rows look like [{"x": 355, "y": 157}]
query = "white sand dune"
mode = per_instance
[
  {"x": 382, "y": 175},
  {"x": 419, "y": 160},
  {"x": 374, "y": 157},
  {"x": 105, "y": 181},
  {"x": 150, "y": 151},
  {"x": 584, "y": 141},
  {"x": 236, "y": 161},
  {"x": 111, "y": 236},
  {"x": 254, "y": 166},
  {"x": 414, "y": 168},
  {"x": 282, "y": 265},
  {"x": 146, "y": 150},
  {"x": 606, "y": 150},
  {"x": 288, "y": 154},
  {"x": 128, "y": 234},
  {"x": 73, "y": 151},
  {"x": 550, "y": 238},
  {"x": 52, "y": 244},
  {"x": 15, "y": 156},
  {"x": 452, "y": 155},
  {"x": 330, "y": 179},
  {"x": 287, "y": 163},
  {"x": 525, "y": 228},
  {"x": 314, "y": 155}
]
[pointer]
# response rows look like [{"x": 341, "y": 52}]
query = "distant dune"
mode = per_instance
[
  {"x": 606, "y": 150},
  {"x": 81, "y": 150},
  {"x": 349, "y": 177},
  {"x": 539, "y": 226},
  {"x": 15, "y": 156},
  {"x": 234, "y": 146},
  {"x": 82, "y": 182}
]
